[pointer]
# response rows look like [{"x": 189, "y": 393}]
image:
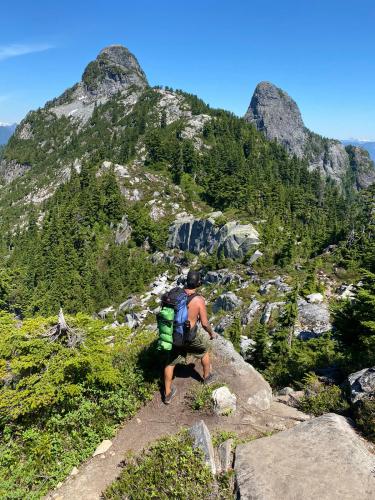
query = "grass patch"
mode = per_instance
[{"x": 200, "y": 397}]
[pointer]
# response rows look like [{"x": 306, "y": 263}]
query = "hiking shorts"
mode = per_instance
[{"x": 197, "y": 348}]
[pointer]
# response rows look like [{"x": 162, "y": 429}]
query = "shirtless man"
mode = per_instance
[{"x": 198, "y": 347}]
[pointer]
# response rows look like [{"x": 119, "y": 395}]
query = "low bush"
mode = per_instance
[
  {"x": 321, "y": 399},
  {"x": 57, "y": 403},
  {"x": 364, "y": 414},
  {"x": 170, "y": 469}
]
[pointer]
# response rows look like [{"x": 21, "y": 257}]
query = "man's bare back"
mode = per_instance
[{"x": 197, "y": 310}]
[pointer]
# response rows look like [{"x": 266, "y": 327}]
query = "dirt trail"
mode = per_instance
[{"x": 156, "y": 419}]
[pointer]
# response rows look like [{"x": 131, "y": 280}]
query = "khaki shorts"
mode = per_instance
[{"x": 197, "y": 348}]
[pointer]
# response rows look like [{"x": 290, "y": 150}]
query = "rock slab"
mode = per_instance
[
  {"x": 202, "y": 439},
  {"x": 227, "y": 302},
  {"x": 322, "y": 458},
  {"x": 103, "y": 447},
  {"x": 251, "y": 388}
]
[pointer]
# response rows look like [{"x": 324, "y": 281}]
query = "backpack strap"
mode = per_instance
[{"x": 191, "y": 297}]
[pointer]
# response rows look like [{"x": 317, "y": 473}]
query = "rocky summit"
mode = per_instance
[
  {"x": 114, "y": 70},
  {"x": 278, "y": 116}
]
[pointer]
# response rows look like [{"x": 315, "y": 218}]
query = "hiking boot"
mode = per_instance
[
  {"x": 211, "y": 378},
  {"x": 171, "y": 395}
]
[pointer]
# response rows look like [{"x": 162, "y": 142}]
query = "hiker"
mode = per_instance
[{"x": 193, "y": 340}]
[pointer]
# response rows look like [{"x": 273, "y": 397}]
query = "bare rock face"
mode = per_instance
[
  {"x": 322, "y": 458},
  {"x": 197, "y": 235},
  {"x": 115, "y": 70},
  {"x": 10, "y": 170},
  {"x": 362, "y": 165},
  {"x": 277, "y": 115}
]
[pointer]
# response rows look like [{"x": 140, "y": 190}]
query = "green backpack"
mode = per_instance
[{"x": 165, "y": 326}]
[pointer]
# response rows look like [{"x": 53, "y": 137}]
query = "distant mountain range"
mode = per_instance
[
  {"x": 6, "y": 131},
  {"x": 368, "y": 145}
]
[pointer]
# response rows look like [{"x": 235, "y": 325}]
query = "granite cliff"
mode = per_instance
[{"x": 277, "y": 115}]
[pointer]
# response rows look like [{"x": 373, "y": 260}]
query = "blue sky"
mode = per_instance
[{"x": 320, "y": 52}]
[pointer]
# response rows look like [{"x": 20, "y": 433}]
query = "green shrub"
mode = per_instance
[
  {"x": 233, "y": 333},
  {"x": 322, "y": 399},
  {"x": 364, "y": 414},
  {"x": 200, "y": 397},
  {"x": 170, "y": 469},
  {"x": 58, "y": 403}
]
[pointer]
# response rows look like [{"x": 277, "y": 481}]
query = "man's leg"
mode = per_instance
[
  {"x": 206, "y": 365},
  {"x": 168, "y": 377}
]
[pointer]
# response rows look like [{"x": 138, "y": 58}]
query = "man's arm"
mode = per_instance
[{"x": 204, "y": 319}]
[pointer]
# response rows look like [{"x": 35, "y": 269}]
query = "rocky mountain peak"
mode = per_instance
[
  {"x": 276, "y": 114},
  {"x": 115, "y": 66},
  {"x": 114, "y": 70}
]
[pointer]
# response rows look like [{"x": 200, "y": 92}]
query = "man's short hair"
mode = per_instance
[{"x": 193, "y": 279}]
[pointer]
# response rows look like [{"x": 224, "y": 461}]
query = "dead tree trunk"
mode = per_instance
[{"x": 63, "y": 332}]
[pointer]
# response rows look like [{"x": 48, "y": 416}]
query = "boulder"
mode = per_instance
[
  {"x": 234, "y": 240},
  {"x": 222, "y": 277},
  {"x": 362, "y": 384},
  {"x": 128, "y": 304},
  {"x": 249, "y": 313},
  {"x": 285, "y": 391},
  {"x": 256, "y": 255},
  {"x": 322, "y": 458},
  {"x": 313, "y": 320},
  {"x": 103, "y": 447},
  {"x": 246, "y": 347},
  {"x": 223, "y": 324},
  {"x": 250, "y": 387},
  {"x": 202, "y": 439},
  {"x": 105, "y": 312},
  {"x": 315, "y": 298},
  {"x": 267, "y": 312},
  {"x": 123, "y": 231},
  {"x": 346, "y": 292},
  {"x": 224, "y": 401},
  {"x": 132, "y": 320},
  {"x": 226, "y": 302}
]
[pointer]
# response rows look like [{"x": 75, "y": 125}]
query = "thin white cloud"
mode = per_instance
[{"x": 14, "y": 50}]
